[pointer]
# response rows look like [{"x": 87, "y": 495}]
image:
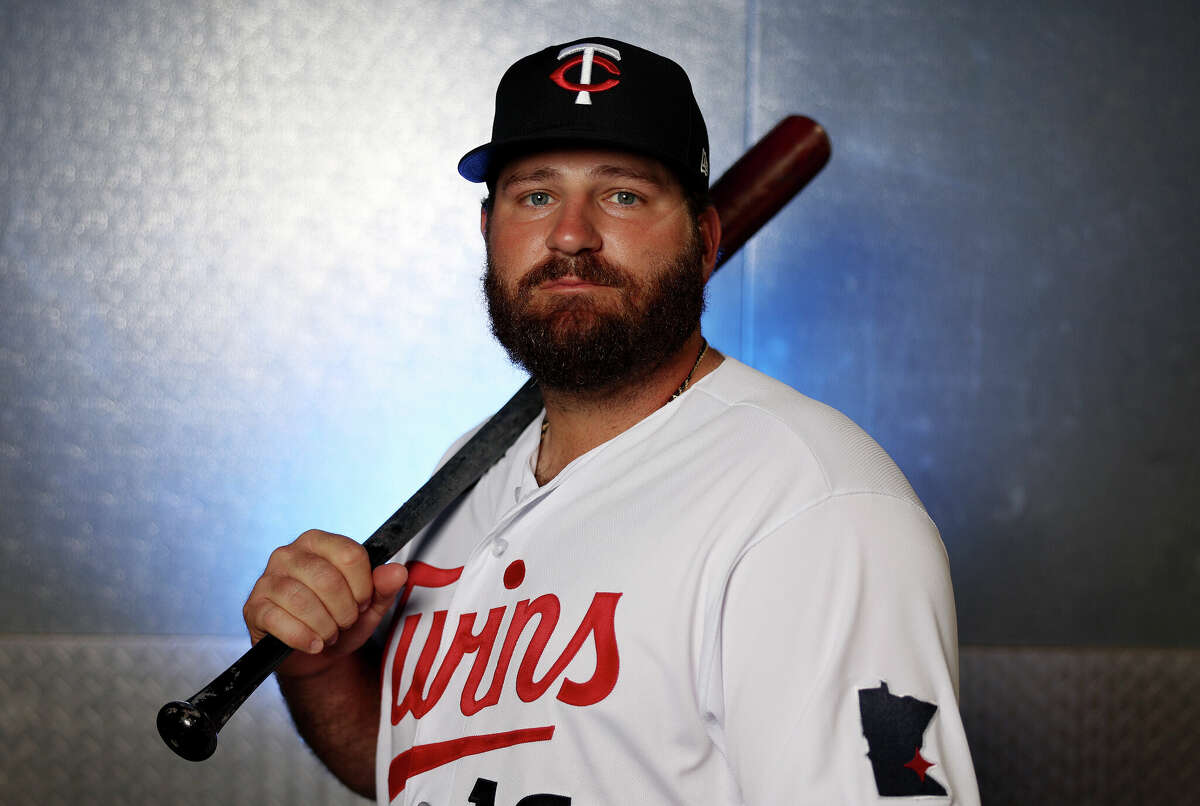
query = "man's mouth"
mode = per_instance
[
  {"x": 570, "y": 283},
  {"x": 562, "y": 275}
]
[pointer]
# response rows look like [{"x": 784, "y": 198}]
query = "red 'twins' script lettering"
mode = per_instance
[{"x": 427, "y": 686}]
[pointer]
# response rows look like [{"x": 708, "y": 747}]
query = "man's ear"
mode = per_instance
[
  {"x": 483, "y": 221},
  {"x": 710, "y": 238}
]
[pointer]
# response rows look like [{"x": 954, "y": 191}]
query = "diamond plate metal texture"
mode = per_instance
[
  {"x": 1101, "y": 727},
  {"x": 77, "y": 727}
]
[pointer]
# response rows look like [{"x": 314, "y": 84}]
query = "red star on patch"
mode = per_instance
[{"x": 918, "y": 764}]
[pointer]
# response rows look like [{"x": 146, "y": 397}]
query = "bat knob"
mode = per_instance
[{"x": 187, "y": 730}]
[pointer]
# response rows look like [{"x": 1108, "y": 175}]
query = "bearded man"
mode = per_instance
[{"x": 687, "y": 583}]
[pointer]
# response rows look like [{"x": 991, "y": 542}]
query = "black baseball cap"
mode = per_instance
[{"x": 599, "y": 92}]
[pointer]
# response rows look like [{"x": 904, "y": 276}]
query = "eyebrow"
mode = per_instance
[
  {"x": 624, "y": 172},
  {"x": 534, "y": 176}
]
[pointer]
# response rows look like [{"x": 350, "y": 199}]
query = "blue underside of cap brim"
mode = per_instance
[{"x": 476, "y": 163}]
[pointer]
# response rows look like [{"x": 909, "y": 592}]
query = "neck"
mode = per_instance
[{"x": 579, "y": 421}]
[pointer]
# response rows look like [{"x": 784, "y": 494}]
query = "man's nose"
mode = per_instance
[{"x": 574, "y": 229}]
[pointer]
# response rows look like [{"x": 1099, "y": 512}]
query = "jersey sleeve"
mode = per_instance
[{"x": 837, "y": 661}]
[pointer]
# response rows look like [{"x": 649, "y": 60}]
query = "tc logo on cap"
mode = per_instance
[{"x": 586, "y": 54}]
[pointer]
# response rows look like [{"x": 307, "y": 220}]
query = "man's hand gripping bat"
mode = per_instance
[{"x": 755, "y": 188}]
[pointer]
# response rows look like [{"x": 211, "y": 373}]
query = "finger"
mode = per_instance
[
  {"x": 288, "y": 629},
  {"x": 349, "y": 557},
  {"x": 292, "y": 612},
  {"x": 328, "y": 584}
]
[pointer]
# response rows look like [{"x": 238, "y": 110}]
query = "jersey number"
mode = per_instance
[{"x": 484, "y": 794}]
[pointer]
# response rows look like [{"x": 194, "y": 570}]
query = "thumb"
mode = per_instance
[{"x": 389, "y": 580}]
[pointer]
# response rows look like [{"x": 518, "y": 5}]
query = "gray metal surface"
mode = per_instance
[
  {"x": 1047, "y": 726},
  {"x": 238, "y": 277},
  {"x": 1103, "y": 727},
  {"x": 238, "y": 299},
  {"x": 996, "y": 276},
  {"x": 77, "y": 727}
]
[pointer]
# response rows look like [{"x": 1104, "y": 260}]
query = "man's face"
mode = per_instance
[{"x": 596, "y": 267}]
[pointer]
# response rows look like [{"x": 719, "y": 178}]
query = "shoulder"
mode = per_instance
[{"x": 773, "y": 422}]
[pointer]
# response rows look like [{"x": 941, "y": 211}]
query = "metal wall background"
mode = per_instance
[
  {"x": 239, "y": 283},
  {"x": 1049, "y": 727},
  {"x": 240, "y": 278},
  {"x": 238, "y": 298},
  {"x": 996, "y": 278},
  {"x": 76, "y": 725}
]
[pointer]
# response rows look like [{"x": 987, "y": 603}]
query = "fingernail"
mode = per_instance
[{"x": 315, "y": 646}]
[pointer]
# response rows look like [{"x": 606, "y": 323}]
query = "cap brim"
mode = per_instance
[{"x": 476, "y": 164}]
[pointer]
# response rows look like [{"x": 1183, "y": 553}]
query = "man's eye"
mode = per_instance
[
  {"x": 625, "y": 198},
  {"x": 538, "y": 199}
]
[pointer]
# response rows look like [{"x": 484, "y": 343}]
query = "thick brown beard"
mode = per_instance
[{"x": 578, "y": 345}]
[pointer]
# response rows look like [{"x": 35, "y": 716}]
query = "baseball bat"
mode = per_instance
[{"x": 746, "y": 196}]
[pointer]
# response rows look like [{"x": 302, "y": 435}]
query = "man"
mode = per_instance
[{"x": 687, "y": 583}]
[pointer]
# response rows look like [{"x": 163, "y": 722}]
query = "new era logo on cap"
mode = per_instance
[{"x": 586, "y": 59}]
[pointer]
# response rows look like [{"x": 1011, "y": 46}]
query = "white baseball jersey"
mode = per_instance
[{"x": 740, "y": 600}]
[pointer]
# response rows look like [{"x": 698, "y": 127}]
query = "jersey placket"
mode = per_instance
[{"x": 470, "y": 594}]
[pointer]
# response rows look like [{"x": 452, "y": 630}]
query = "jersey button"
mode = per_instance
[{"x": 499, "y": 546}]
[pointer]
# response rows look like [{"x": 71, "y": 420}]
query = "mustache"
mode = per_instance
[{"x": 587, "y": 267}]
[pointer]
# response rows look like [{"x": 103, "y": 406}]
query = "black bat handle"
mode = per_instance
[{"x": 190, "y": 728}]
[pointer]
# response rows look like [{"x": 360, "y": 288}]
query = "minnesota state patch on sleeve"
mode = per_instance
[{"x": 895, "y": 731}]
